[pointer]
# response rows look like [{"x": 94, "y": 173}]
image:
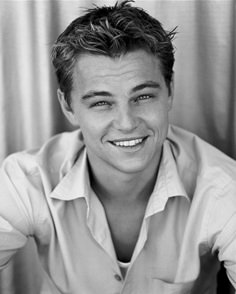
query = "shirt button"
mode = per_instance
[{"x": 117, "y": 277}]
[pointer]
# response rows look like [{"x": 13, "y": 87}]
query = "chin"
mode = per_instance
[{"x": 131, "y": 168}]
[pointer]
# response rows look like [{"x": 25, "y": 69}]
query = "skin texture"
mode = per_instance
[
  {"x": 117, "y": 100},
  {"x": 107, "y": 108}
]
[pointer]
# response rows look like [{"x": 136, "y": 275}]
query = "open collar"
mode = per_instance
[
  {"x": 75, "y": 183},
  {"x": 168, "y": 183}
]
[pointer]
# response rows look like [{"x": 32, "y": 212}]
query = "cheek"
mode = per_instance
[
  {"x": 157, "y": 117},
  {"x": 92, "y": 129},
  {"x": 89, "y": 131},
  {"x": 158, "y": 121}
]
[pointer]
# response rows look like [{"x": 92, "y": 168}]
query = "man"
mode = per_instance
[{"x": 127, "y": 203}]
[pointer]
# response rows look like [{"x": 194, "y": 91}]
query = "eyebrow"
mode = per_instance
[
  {"x": 148, "y": 84},
  {"x": 92, "y": 94}
]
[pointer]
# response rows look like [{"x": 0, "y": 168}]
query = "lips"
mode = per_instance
[{"x": 128, "y": 142}]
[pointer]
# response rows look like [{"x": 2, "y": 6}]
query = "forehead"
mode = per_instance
[{"x": 131, "y": 68}]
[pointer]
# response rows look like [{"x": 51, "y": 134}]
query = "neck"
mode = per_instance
[{"x": 116, "y": 186}]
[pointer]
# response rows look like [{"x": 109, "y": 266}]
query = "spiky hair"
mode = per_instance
[{"x": 111, "y": 31}]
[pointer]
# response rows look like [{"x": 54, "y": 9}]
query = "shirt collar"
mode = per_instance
[
  {"x": 75, "y": 183},
  {"x": 168, "y": 183}
]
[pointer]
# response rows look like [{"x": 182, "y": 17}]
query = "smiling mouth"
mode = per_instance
[{"x": 128, "y": 143}]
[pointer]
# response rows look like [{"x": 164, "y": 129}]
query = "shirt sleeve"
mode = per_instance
[
  {"x": 15, "y": 211},
  {"x": 222, "y": 230}
]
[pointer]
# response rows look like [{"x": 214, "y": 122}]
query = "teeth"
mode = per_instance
[{"x": 129, "y": 143}]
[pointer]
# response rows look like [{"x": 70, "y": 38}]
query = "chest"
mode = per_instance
[
  {"x": 125, "y": 224},
  {"x": 78, "y": 258}
]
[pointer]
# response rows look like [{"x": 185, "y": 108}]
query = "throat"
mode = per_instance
[
  {"x": 125, "y": 224},
  {"x": 114, "y": 185}
]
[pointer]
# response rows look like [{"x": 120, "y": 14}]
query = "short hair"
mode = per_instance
[{"x": 111, "y": 31}]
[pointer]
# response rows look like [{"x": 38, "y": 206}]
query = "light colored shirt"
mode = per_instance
[{"x": 188, "y": 227}]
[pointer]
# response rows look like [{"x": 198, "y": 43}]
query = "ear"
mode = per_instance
[
  {"x": 66, "y": 108},
  {"x": 171, "y": 94}
]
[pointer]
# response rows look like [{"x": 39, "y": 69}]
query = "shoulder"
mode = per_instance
[
  {"x": 200, "y": 163},
  {"x": 28, "y": 177},
  {"x": 45, "y": 162},
  {"x": 201, "y": 155},
  {"x": 209, "y": 177}
]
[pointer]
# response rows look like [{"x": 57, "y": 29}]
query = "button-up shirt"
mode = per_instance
[{"x": 188, "y": 228}]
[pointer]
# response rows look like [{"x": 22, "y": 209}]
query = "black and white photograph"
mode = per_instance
[{"x": 117, "y": 146}]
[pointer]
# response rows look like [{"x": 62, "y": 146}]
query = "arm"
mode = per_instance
[
  {"x": 15, "y": 211},
  {"x": 222, "y": 230}
]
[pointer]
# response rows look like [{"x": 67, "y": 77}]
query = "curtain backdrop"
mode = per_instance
[{"x": 205, "y": 84}]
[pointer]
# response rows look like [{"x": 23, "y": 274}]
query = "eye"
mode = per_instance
[
  {"x": 100, "y": 104},
  {"x": 143, "y": 97}
]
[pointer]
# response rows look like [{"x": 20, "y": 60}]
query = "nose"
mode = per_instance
[{"x": 125, "y": 120}]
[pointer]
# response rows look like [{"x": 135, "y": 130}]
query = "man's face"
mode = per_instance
[{"x": 121, "y": 106}]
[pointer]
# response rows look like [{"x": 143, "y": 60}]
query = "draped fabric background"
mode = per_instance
[{"x": 205, "y": 84}]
